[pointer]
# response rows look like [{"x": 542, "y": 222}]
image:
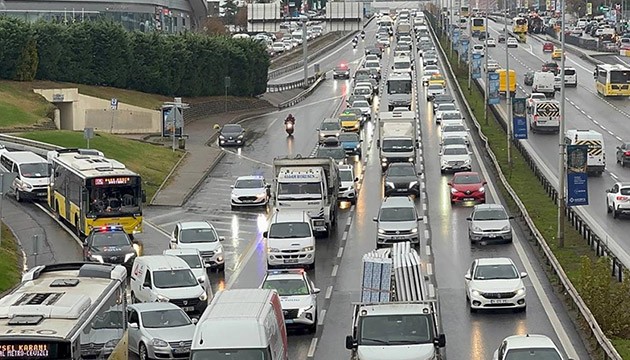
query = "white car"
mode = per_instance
[
  {"x": 535, "y": 96},
  {"x": 429, "y": 71},
  {"x": 288, "y": 44},
  {"x": 495, "y": 283},
  {"x": 290, "y": 240},
  {"x": 435, "y": 89},
  {"x": 531, "y": 346},
  {"x": 278, "y": 47},
  {"x": 365, "y": 108},
  {"x": 489, "y": 222},
  {"x": 372, "y": 64},
  {"x": 478, "y": 49},
  {"x": 455, "y": 158},
  {"x": 298, "y": 297},
  {"x": 454, "y": 130},
  {"x": 512, "y": 42},
  {"x": 200, "y": 235},
  {"x": 490, "y": 42},
  {"x": 492, "y": 66},
  {"x": 451, "y": 117},
  {"x": 384, "y": 41},
  {"x": 452, "y": 140},
  {"x": 444, "y": 107},
  {"x": 348, "y": 188},
  {"x": 618, "y": 199},
  {"x": 250, "y": 191},
  {"x": 372, "y": 57},
  {"x": 192, "y": 257}
]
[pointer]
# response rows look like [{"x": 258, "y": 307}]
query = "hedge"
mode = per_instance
[{"x": 103, "y": 53}]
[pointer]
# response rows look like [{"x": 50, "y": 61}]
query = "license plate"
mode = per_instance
[
  {"x": 498, "y": 301},
  {"x": 288, "y": 321},
  {"x": 181, "y": 350},
  {"x": 492, "y": 235},
  {"x": 188, "y": 308},
  {"x": 398, "y": 237},
  {"x": 42, "y": 194},
  {"x": 469, "y": 199},
  {"x": 290, "y": 261}
]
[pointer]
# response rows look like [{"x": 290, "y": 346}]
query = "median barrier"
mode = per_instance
[
  {"x": 304, "y": 94},
  {"x": 272, "y": 88}
]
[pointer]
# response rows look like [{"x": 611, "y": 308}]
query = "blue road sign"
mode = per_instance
[
  {"x": 577, "y": 189},
  {"x": 518, "y": 118},
  {"x": 493, "y": 89},
  {"x": 476, "y": 66}
]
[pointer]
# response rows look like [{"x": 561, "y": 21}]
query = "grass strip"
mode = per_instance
[
  {"x": 542, "y": 210},
  {"x": 11, "y": 264}
]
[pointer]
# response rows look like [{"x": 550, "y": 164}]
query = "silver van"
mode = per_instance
[{"x": 32, "y": 174}]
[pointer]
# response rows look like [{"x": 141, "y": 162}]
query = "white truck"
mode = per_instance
[
  {"x": 395, "y": 318},
  {"x": 544, "y": 116},
  {"x": 310, "y": 185},
  {"x": 397, "y": 137},
  {"x": 544, "y": 82},
  {"x": 399, "y": 90},
  {"x": 403, "y": 28}
]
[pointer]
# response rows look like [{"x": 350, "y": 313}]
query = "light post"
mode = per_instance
[
  {"x": 486, "y": 82},
  {"x": 508, "y": 95},
  {"x": 561, "y": 144},
  {"x": 304, "y": 20}
]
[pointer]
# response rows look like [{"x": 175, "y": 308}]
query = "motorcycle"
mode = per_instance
[
  {"x": 289, "y": 127},
  {"x": 362, "y": 36},
  {"x": 354, "y": 45}
]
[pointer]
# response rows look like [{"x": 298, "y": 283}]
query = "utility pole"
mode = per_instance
[
  {"x": 508, "y": 95},
  {"x": 470, "y": 45},
  {"x": 450, "y": 25},
  {"x": 305, "y": 49},
  {"x": 562, "y": 147},
  {"x": 485, "y": 57}
]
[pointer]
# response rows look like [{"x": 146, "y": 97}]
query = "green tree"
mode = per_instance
[
  {"x": 14, "y": 36},
  {"x": 230, "y": 10},
  {"x": 28, "y": 61}
]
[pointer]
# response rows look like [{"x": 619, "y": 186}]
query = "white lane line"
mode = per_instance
[
  {"x": 246, "y": 157},
  {"x": 334, "y": 271},
  {"x": 430, "y": 269},
  {"x": 344, "y": 237},
  {"x": 349, "y": 221},
  {"x": 157, "y": 228},
  {"x": 424, "y": 207},
  {"x": 311, "y": 349},
  {"x": 322, "y": 316},
  {"x": 352, "y": 208},
  {"x": 340, "y": 252},
  {"x": 615, "y": 176},
  {"x": 426, "y": 233},
  {"x": 428, "y": 250},
  {"x": 64, "y": 226},
  {"x": 328, "y": 292},
  {"x": 542, "y": 295}
]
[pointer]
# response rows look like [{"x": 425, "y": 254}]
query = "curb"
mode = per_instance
[{"x": 168, "y": 176}]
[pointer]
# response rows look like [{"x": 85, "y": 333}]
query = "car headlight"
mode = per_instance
[
  {"x": 477, "y": 228},
  {"x": 390, "y": 184},
  {"x": 129, "y": 256},
  {"x": 159, "y": 343},
  {"x": 203, "y": 296},
  {"x": 337, "y": 134},
  {"x": 303, "y": 310},
  {"x": 261, "y": 195},
  {"x": 505, "y": 228},
  {"x": 412, "y": 184},
  {"x": 384, "y": 160},
  {"x": 482, "y": 189},
  {"x": 240, "y": 136},
  {"x": 161, "y": 298},
  {"x": 221, "y": 137},
  {"x": 381, "y": 231},
  {"x": 234, "y": 196},
  {"x": 475, "y": 293},
  {"x": 219, "y": 250},
  {"x": 111, "y": 344},
  {"x": 98, "y": 258},
  {"x": 414, "y": 230},
  {"x": 273, "y": 250},
  {"x": 467, "y": 161},
  {"x": 411, "y": 159},
  {"x": 444, "y": 162},
  {"x": 308, "y": 248},
  {"x": 454, "y": 191},
  {"x": 520, "y": 291}
]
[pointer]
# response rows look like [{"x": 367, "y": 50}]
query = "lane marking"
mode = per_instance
[
  {"x": 334, "y": 271},
  {"x": 428, "y": 250},
  {"x": 344, "y": 237},
  {"x": 322, "y": 316},
  {"x": 426, "y": 233},
  {"x": 159, "y": 229},
  {"x": 340, "y": 252},
  {"x": 328, "y": 292},
  {"x": 431, "y": 290},
  {"x": 349, "y": 221},
  {"x": 169, "y": 214},
  {"x": 246, "y": 157},
  {"x": 430, "y": 269},
  {"x": 311, "y": 349}
]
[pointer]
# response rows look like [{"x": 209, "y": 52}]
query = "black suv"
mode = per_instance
[
  {"x": 402, "y": 179},
  {"x": 551, "y": 67},
  {"x": 110, "y": 245}
]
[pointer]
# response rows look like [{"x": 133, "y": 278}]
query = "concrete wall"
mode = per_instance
[{"x": 79, "y": 111}]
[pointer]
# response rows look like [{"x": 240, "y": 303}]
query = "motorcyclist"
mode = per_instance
[
  {"x": 290, "y": 119},
  {"x": 362, "y": 34}
]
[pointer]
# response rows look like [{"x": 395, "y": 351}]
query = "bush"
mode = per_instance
[{"x": 103, "y": 53}]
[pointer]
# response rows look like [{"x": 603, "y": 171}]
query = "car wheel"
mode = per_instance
[
  {"x": 608, "y": 209},
  {"x": 472, "y": 310},
  {"x": 18, "y": 196},
  {"x": 313, "y": 328},
  {"x": 143, "y": 354},
  {"x": 615, "y": 213}
]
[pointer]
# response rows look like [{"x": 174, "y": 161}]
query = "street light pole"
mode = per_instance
[
  {"x": 508, "y": 95},
  {"x": 305, "y": 52},
  {"x": 450, "y": 24},
  {"x": 485, "y": 57},
  {"x": 469, "y": 49},
  {"x": 561, "y": 145}
]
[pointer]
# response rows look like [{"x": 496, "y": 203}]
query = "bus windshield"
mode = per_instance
[
  {"x": 619, "y": 77},
  {"x": 109, "y": 199}
]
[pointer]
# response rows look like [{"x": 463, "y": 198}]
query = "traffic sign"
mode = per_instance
[{"x": 589, "y": 8}]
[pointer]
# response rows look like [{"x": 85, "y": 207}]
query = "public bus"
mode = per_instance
[
  {"x": 612, "y": 80},
  {"x": 90, "y": 190},
  {"x": 478, "y": 25},
  {"x": 463, "y": 11},
  {"x": 65, "y": 311}
]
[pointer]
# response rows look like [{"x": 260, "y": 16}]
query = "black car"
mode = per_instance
[
  {"x": 110, "y": 245},
  {"x": 529, "y": 78},
  {"x": 402, "y": 179},
  {"x": 441, "y": 99},
  {"x": 501, "y": 39},
  {"x": 231, "y": 134},
  {"x": 483, "y": 35},
  {"x": 551, "y": 67},
  {"x": 374, "y": 50},
  {"x": 331, "y": 148},
  {"x": 341, "y": 72},
  {"x": 623, "y": 154}
]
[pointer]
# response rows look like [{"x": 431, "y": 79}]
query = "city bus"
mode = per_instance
[
  {"x": 65, "y": 311},
  {"x": 519, "y": 28},
  {"x": 463, "y": 11},
  {"x": 612, "y": 80},
  {"x": 478, "y": 25},
  {"x": 90, "y": 190}
]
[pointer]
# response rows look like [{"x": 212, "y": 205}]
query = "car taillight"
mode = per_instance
[
  {"x": 535, "y": 118},
  {"x": 627, "y": 153},
  {"x": 622, "y": 197}
]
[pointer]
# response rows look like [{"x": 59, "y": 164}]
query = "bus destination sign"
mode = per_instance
[
  {"x": 31, "y": 351},
  {"x": 112, "y": 181}
]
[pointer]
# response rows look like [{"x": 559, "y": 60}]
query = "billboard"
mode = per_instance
[
  {"x": 577, "y": 177},
  {"x": 493, "y": 89}
]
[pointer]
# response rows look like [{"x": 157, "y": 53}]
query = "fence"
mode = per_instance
[
  {"x": 582, "y": 226},
  {"x": 272, "y": 88},
  {"x": 304, "y": 94}
]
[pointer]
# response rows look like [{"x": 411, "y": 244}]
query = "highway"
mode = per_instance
[{"x": 585, "y": 109}]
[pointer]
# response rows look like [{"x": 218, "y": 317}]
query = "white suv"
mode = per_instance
[
  {"x": 489, "y": 222},
  {"x": 200, "y": 235},
  {"x": 250, "y": 191},
  {"x": 348, "y": 188},
  {"x": 290, "y": 240},
  {"x": 298, "y": 296},
  {"x": 495, "y": 283},
  {"x": 618, "y": 199},
  {"x": 527, "y": 346}
]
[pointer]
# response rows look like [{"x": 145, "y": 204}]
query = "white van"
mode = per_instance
[
  {"x": 241, "y": 324},
  {"x": 166, "y": 278},
  {"x": 200, "y": 235},
  {"x": 290, "y": 240},
  {"x": 192, "y": 257},
  {"x": 402, "y": 64},
  {"x": 570, "y": 76},
  {"x": 544, "y": 83},
  {"x": 32, "y": 173},
  {"x": 297, "y": 37},
  {"x": 596, "y": 159}
]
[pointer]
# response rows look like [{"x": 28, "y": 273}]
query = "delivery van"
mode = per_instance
[
  {"x": 503, "y": 82},
  {"x": 596, "y": 158},
  {"x": 241, "y": 324},
  {"x": 544, "y": 82},
  {"x": 544, "y": 116},
  {"x": 32, "y": 174}
]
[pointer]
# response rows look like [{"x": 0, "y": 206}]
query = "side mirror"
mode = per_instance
[
  {"x": 316, "y": 290},
  {"x": 468, "y": 277},
  {"x": 216, "y": 126},
  {"x": 523, "y": 274},
  {"x": 221, "y": 238},
  {"x": 207, "y": 266},
  {"x": 146, "y": 286},
  {"x": 201, "y": 280},
  {"x": 469, "y": 218},
  {"x": 194, "y": 321},
  {"x": 449, "y": 183},
  {"x": 268, "y": 186},
  {"x": 266, "y": 234},
  {"x": 440, "y": 154},
  {"x": 419, "y": 218},
  {"x": 417, "y": 145},
  {"x": 419, "y": 172},
  {"x": 374, "y": 219},
  {"x": 440, "y": 341},
  {"x": 392, "y": 67},
  {"x": 608, "y": 190},
  {"x": 484, "y": 183},
  {"x": 350, "y": 344},
  {"x": 231, "y": 186},
  {"x": 84, "y": 242},
  {"x": 356, "y": 179},
  {"x": 511, "y": 217},
  {"x": 361, "y": 140},
  {"x": 133, "y": 325}
]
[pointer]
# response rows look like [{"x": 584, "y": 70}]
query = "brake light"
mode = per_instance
[
  {"x": 622, "y": 197},
  {"x": 535, "y": 118},
  {"x": 627, "y": 153}
]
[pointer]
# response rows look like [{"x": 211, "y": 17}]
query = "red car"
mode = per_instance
[
  {"x": 467, "y": 186},
  {"x": 548, "y": 47}
]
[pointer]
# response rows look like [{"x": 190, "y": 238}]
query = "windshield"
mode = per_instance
[
  {"x": 397, "y": 214},
  {"x": 455, "y": 151},
  {"x": 402, "y": 65},
  {"x": 399, "y": 86},
  {"x": 619, "y": 77},
  {"x": 447, "y": 107},
  {"x": 395, "y": 330},
  {"x": 454, "y": 128},
  {"x": 330, "y": 125},
  {"x": 453, "y": 141},
  {"x": 232, "y": 128},
  {"x": 249, "y": 184},
  {"x": 533, "y": 353},
  {"x": 362, "y": 91},
  {"x": 451, "y": 115},
  {"x": 115, "y": 238},
  {"x": 335, "y": 153},
  {"x": 346, "y": 175},
  {"x": 165, "y": 319},
  {"x": 348, "y": 117},
  {"x": 287, "y": 287},
  {"x": 495, "y": 272},
  {"x": 300, "y": 190},
  {"x": 467, "y": 179},
  {"x": 397, "y": 145},
  {"x": 289, "y": 230},
  {"x": 35, "y": 170},
  {"x": 435, "y": 87},
  {"x": 401, "y": 171},
  {"x": 349, "y": 137},
  {"x": 168, "y": 279},
  {"x": 107, "y": 199},
  {"x": 110, "y": 320},
  {"x": 360, "y": 104},
  {"x": 189, "y": 236},
  {"x": 193, "y": 261},
  {"x": 490, "y": 214},
  {"x": 231, "y": 354}
]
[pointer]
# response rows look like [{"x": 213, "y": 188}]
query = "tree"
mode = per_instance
[
  {"x": 28, "y": 61},
  {"x": 229, "y": 11},
  {"x": 240, "y": 19},
  {"x": 214, "y": 26}
]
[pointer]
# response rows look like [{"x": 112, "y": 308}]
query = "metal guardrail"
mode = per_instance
[
  {"x": 304, "y": 94},
  {"x": 21, "y": 144},
  {"x": 272, "y": 88},
  {"x": 596, "y": 331}
]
